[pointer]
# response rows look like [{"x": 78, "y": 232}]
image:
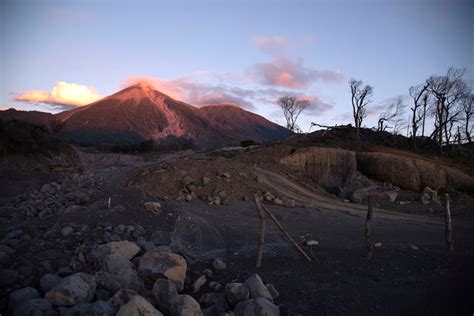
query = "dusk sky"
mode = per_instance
[{"x": 62, "y": 54}]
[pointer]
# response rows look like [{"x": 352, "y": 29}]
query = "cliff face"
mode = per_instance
[
  {"x": 328, "y": 167},
  {"x": 333, "y": 167},
  {"x": 411, "y": 174}
]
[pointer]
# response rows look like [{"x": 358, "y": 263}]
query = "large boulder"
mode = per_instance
[
  {"x": 257, "y": 288},
  {"x": 48, "y": 281},
  {"x": 72, "y": 290},
  {"x": 428, "y": 195},
  {"x": 138, "y": 306},
  {"x": 186, "y": 306},
  {"x": 27, "y": 308},
  {"x": 155, "y": 264},
  {"x": 256, "y": 307},
  {"x": 377, "y": 194},
  {"x": 236, "y": 292},
  {"x": 19, "y": 297},
  {"x": 165, "y": 294},
  {"x": 108, "y": 281},
  {"x": 123, "y": 272},
  {"x": 214, "y": 299},
  {"x": 115, "y": 263},
  {"x": 121, "y": 297},
  {"x": 125, "y": 248}
]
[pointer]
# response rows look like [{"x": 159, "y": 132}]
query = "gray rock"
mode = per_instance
[
  {"x": 64, "y": 271},
  {"x": 48, "y": 281},
  {"x": 188, "y": 180},
  {"x": 98, "y": 308},
  {"x": 19, "y": 297},
  {"x": 107, "y": 281},
  {"x": 186, "y": 306},
  {"x": 392, "y": 196},
  {"x": 206, "y": 180},
  {"x": 165, "y": 295},
  {"x": 278, "y": 201},
  {"x": 30, "y": 306},
  {"x": 256, "y": 287},
  {"x": 210, "y": 299},
  {"x": 218, "y": 264},
  {"x": 146, "y": 245},
  {"x": 199, "y": 283},
  {"x": 14, "y": 234},
  {"x": 256, "y": 307},
  {"x": 236, "y": 292},
  {"x": 154, "y": 264},
  {"x": 428, "y": 195},
  {"x": 7, "y": 250},
  {"x": 215, "y": 286},
  {"x": 153, "y": 207},
  {"x": 138, "y": 306},
  {"x": 72, "y": 290},
  {"x": 125, "y": 248},
  {"x": 115, "y": 263},
  {"x": 66, "y": 231},
  {"x": 123, "y": 272},
  {"x": 121, "y": 297},
  {"x": 216, "y": 310}
]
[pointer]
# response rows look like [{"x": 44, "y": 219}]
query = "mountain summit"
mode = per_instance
[{"x": 140, "y": 112}]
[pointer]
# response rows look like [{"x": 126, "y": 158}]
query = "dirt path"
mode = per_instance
[{"x": 308, "y": 196}]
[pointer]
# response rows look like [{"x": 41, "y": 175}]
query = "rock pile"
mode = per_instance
[
  {"x": 215, "y": 181},
  {"x": 56, "y": 197},
  {"x": 122, "y": 278}
]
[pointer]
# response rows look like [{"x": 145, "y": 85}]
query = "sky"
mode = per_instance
[{"x": 56, "y": 55}]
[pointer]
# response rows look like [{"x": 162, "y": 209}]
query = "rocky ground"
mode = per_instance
[{"x": 87, "y": 243}]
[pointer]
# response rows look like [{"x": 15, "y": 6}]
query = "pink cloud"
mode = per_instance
[
  {"x": 283, "y": 72},
  {"x": 63, "y": 94},
  {"x": 191, "y": 90}
]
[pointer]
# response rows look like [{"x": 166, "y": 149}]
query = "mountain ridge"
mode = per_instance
[{"x": 140, "y": 112}]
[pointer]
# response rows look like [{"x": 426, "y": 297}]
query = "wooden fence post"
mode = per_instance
[
  {"x": 263, "y": 225},
  {"x": 448, "y": 231},
  {"x": 368, "y": 228}
]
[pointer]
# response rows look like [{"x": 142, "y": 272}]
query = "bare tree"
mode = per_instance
[
  {"x": 418, "y": 110},
  {"x": 468, "y": 109},
  {"x": 426, "y": 98},
  {"x": 360, "y": 98},
  {"x": 393, "y": 115},
  {"x": 449, "y": 90},
  {"x": 292, "y": 108}
]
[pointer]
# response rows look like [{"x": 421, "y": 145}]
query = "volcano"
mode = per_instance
[{"x": 140, "y": 112}]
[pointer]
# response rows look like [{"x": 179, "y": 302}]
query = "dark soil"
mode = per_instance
[{"x": 340, "y": 279}]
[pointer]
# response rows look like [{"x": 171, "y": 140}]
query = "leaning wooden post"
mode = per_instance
[
  {"x": 263, "y": 225},
  {"x": 448, "y": 231},
  {"x": 368, "y": 228},
  {"x": 283, "y": 230}
]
